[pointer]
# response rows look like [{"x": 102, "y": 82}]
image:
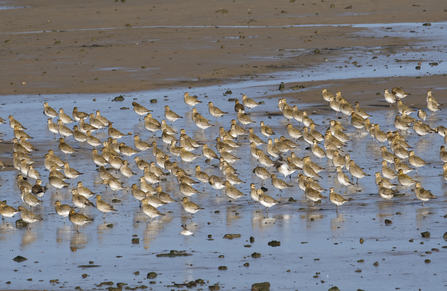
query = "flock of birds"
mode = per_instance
[{"x": 272, "y": 161}]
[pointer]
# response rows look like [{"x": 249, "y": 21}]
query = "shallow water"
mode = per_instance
[
  {"x": 424, "y": 57},
  {"x": 314, "y": 241},
  {"x": 319, "y": 247}
]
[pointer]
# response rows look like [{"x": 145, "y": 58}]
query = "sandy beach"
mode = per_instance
[{"x": 106, "y": 46}]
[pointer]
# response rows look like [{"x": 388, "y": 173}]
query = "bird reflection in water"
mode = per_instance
[
  {"x": 103, "y": 230},
  {"x": 232, "y": 213},
  {"x": 154, "y": 228},
  {"x": 104, "y": 227},
  {"x": 6, "y": 227},
  {"x": 313, "y": 217},
  {"x": 386, "y": 205},
  {"x": 338, "y": 221},
  {"x": 28, "y": 238},
  {"x": 78, "y": 241},
  {"x": 260, "y": 220},
  {"x": 139, "y": 218},
  {"x": 63, "y": 233},
  {"x": 423, "y": 213}
]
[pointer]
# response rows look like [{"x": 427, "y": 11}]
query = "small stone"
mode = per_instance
[
  {"x": 361, "y": 240},
  {"x": 427, "y": 261},
  {"x": 118, "y": 98},
  {"x": 335, "y": 288},
  {"x": 425, "y": 234},
  {"x": 19, "y": 259},
  {"x": 231, "y": 236},
  {"x": 246, "y": 264},
  {"x": 388, "y": 222},
  {"x": 445, "y": 236},
  {"x": 376, "y": 264},
  {"x": 222, "y": 268},
  {"x": 151, "y": 275},
  {"x": 264, "y": 286},
  {"x": 200, "y": 281},
  {"x": 89, "y": 266},
  {"x": 274, "y": 243},
  {"x": 282, "y": 87},
  {"x": 108, "y": 283},
  {"x": 153, "y": 100},
  {"x": 191, "y": 284},
  {"x": 135, "y": 240},
  {"x": 252, "y": 239},
  {"x": 255, "y": 255}
]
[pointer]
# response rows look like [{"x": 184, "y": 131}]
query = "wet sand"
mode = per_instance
[
  {"x": 106, "y": 46},
  {"x": 320, "y": 248}
]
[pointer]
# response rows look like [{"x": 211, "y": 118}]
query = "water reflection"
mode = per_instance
[
  {"x": 312, "y": 216},
  {"x": 387, "y": 205},
  {"x": 78, "y": 240},
  {"x": 6, "y": 227},
  {"x": 338, "y": 221},
  {"x": 423, "y": 213},
  {"x": 104, "y": 227},
  {"x": 28, "y": 238},
  {"x": 260, "y": 220},
  {"x": 63, "y": 233},
  {"x": 151, "y": 232},
  {"x": 233, "y": 213}
]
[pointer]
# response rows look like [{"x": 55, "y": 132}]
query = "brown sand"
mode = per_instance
[{"x": 106, "y": 46}]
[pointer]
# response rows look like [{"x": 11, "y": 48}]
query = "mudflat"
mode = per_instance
[{"x": 49, "y": 47}]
